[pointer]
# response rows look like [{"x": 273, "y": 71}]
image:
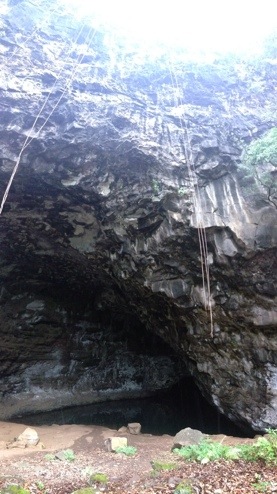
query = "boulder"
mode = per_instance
[
  {"x": 123, "y": 429},
  {"x": 134, "y": 428},
  {"x": 29, "y": 437},
  {"x": 187, "y": 437}
]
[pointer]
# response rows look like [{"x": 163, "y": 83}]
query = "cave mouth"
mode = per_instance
[
  {"x": 166, "y": 412},
  {"x": 128, "y": 373}
]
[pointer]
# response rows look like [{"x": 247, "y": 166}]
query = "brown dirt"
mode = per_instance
[{"x": 30, "y": 468}]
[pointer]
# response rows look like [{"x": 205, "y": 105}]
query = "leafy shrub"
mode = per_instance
[
  {"x": 69, "y": 455},
  {"x": 263, "y": 150},
  {"x": 126, "y": 450},
  {"x": 206, "y": 451},
  {"x": 265, "y": 449},
  {"x": 260, "y": 163}
]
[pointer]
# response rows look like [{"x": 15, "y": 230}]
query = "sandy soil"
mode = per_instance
[{"x": 32, "y": 469}]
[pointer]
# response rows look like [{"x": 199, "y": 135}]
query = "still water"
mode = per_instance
[{"x": 166, "y": 413}]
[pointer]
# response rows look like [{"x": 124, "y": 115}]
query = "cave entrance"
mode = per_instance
[{"x": 165, "y": 413}]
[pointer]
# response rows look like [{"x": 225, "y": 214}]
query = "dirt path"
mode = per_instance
[{"x": 32, "y": 469}]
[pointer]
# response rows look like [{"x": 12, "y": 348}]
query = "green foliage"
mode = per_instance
[
  {"x": 265, "y": 449},
  {"x": 261, "y": 485},
  {"x": 156, "y": 187},
  {"x": 206, "y": 451},
  {"x": 182, "y": 191},
  {"x": 159, "y": 465},
  {"x": 126, "y": 450},
  {"x": 183, "y": 488},
  {"x": 69, "y": 455},
  {"x": 100, "y": 478},
  {"x": 40, "y": 485},
  {"x": 66, "y": 454},
  {"x": 14, "y": 489},
  {"x": 260, "y": 163},
  {"x": 263, "y": 150}
]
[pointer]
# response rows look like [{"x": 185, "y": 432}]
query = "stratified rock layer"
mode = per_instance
[{"x": 102, "y": 219}]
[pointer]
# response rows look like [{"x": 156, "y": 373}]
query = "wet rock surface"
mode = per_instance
[{"x": 100, "y": 232}]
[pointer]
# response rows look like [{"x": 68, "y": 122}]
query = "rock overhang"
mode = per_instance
[{"x": 103, "y": 206}]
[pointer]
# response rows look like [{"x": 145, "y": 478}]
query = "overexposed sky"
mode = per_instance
[{"x": 196, "y": 24}]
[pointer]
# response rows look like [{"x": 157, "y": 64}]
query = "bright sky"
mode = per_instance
[{"x": 210, "y": 25}]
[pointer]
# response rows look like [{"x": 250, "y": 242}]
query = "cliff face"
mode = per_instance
[{"x": 99, "y": 235}]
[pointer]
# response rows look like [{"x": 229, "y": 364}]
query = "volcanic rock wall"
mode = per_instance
[{"x": 128, "y": 156}]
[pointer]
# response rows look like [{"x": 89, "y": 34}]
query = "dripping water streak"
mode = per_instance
[{"x": 202, "y": 237}]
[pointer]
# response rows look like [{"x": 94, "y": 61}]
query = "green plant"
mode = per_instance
[
  {"x": 265, "y": 449},
  {"x": 261, "y": 485},
  {"x": 100, "y": 478},
  {"x": 272, "y": 433},
  {"x": 206, "y": 451},
  {"x": 126, "y": 450},
  {"x": 156, "y": 187},
  {"x": 68, "y": 455},
  {"x": 260, "y": 159},
  {"x": 159, "y": 465},
  {"x": 40, "y": 485},
  {"x": 14, "y": 489},
  {"x": 183, "y": 488},
  {"x": 263, "y": 150},
  {"x": 182, "y": 191}
]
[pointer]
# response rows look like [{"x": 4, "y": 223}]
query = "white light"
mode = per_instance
[{"x": 209, "y": 25}]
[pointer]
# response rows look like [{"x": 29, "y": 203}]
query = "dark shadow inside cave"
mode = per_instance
[
  {"x": 165, "y": 413},
  {"x": 91, "y": 340}
]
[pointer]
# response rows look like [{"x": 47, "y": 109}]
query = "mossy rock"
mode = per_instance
[{"x": 14, "y": 489}]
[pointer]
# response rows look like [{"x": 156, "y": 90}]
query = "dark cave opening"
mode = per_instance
[{"x": 166, "y": 412}]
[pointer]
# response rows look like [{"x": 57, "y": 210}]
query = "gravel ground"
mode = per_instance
[{"x": 32, "y": 468}]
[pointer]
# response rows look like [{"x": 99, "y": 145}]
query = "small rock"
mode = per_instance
[
  {"x": 134, "y": 428},
  {"x": 17, "y": 444},
  {"x": 187, "y": 437},
  {"x": 112, "y": 443},
  {"x": 123, "y": 429},
  {"x": 29, "y": 436}
]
